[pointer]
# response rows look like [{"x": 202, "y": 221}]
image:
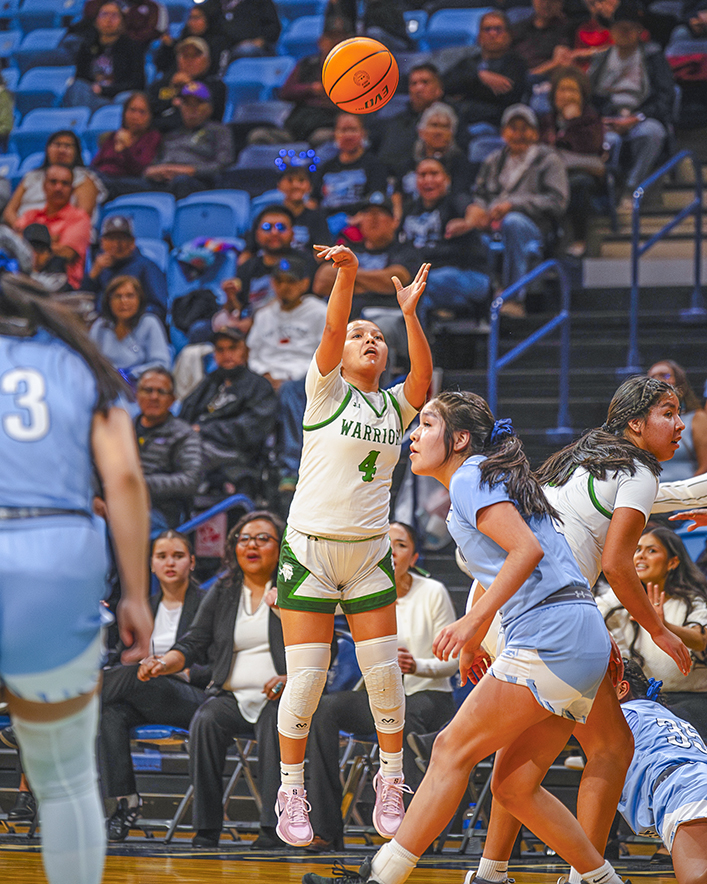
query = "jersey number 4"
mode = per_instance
[
  {"x": 368, "y": 466},
  {"x": 28, "y": 388}
]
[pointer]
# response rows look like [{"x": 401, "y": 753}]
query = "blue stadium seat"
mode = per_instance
[
  {"x": 254, "y": 79},
  {"x": 105, "y": 119},
  {"x": 11, "y": 77},
  {"x": 38, "y": 125},
  {"x": 155, "y": 249},
  {"x": 301, "y": 37},
  {"x": 289, "y": 10},
  {"x": 42, "y": 48},
  {"x": 694, "y": 540},
  {"x": 9, "y": 10},
  {"x": 152, "y": 213},
  {"x": 480, "y": 148},
  {"x": 453, "y": 27},
  {"x": 263, "y": 156},
  {"x": 217, "y": 213},
  {"x": 262, "y": 113},
  {"x": 42, "y": 88},
  {"x": 415, "y": 23},
  {"x": 269, "y": 198},
  {"x": 35, "y": 14},
  {"x": 31, "y": 162},
  {"x": 178, "y": 10},
  {"x": 9, "y": 165},
  {"x": 9, "y": 42},
  {"x": 223, "y": 268}
]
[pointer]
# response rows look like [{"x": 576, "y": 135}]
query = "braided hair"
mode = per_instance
[
  {"x": 640, "y": 687},
  {"x": 606, "y": 450},
  {"x": 505, "y": 460}
]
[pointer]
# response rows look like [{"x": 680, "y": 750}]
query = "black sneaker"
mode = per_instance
[
  {"x": 25, "y": 808},
  {"x": 208, "y": 838},
  {"x": 119, "y": 825},
  {"x": 7, "y": 736},
  {"x": 342, "y": 874}
]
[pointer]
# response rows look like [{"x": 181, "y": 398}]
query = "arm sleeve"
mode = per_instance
[
  {"x": 184, "y": 480},
  {"x": 636, "y": 492},
  {"x": 686, "y": 494}
]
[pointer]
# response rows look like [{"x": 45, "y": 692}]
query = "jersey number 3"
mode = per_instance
[
  {"x": 28, "y": 388},
  {"x": 368, "y": 466}
]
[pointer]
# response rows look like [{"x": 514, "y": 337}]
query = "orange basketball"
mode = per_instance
[{"x": 360, "y": 75}]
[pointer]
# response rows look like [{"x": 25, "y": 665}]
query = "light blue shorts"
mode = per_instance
[
  {"x": 560, "y": 652},
  {"x": 52, "y": 580},
  {"x": 680, "y": 798}
]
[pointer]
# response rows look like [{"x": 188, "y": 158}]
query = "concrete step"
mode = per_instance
[
  {"x": 656, "y": 270},
  {"x": 675, "y": 246}
]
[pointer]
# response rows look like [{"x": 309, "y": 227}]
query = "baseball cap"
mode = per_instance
[
  {"x": 195, "y": 89},
  {"x": 197, "y": 43},
  {"x": 519, "y": 110},
  {"x": 117, "y": 224},
  {"x": 294, "y": 266},
  {"x": 228, "y": 331},
  {"x": 38, "y": 234},
  {"x": 629, "y": 11},
  {"x": 377, "y": 200}
]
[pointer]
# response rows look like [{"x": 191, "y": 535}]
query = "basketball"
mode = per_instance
[{"x": 360, "y": 75}]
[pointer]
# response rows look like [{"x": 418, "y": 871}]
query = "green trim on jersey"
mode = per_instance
[
  {"x": 370, "y": 404},
  {"x": 334, "y": 416},
  {"x": 594, "y": 499},
  {"x": 396, "y": 406}
]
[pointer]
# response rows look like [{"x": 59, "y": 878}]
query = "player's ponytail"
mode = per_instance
[{"x": 505, "y": 461}]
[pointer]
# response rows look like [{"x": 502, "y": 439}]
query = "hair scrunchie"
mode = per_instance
[
  {"x": 501, "y": 429},
  {"x": 653, "y": 689}
]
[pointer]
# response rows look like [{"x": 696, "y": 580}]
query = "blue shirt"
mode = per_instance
[
  {"x": 47, "y": 400},
  {"x": 144, "y": 346},
  {"x": 151, "y": 278},
  {"x": 485, "y": 557}
]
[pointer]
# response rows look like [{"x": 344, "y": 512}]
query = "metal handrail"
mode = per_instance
[
  {"x": 226, "y": 504},
  {"x": 696, "y": 311},
  {"x": 561, "y": 320}
]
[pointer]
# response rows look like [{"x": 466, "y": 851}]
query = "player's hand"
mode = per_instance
[
  {"x": 657, "y": 599},
  {"x": 454, "y": 637},
  {"x": 674, "y": 647},
  {"x": 616, "y": 662},
  {"x": 699, "y": 518},
  {"x": 406, "y": 662},
  {"x": 473, "y": 664},
  {"x": 411, "y": 294},
  {"x": 341, "y": 256},
  {"x": 135, "y": 624}
]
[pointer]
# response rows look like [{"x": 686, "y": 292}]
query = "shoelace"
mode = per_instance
[
  {"x": 392, "y": 795},
  {"x": 297, "y": 808},
  {"x": 339, "y": 870}
]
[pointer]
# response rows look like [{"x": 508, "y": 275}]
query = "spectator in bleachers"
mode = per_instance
[
  {"x": 251, "y": 26},
  {"x": 192, "y": 65},
  {"x": 170, "y": 451},
  {"x": 129, "y": 337},
  {"x": 192, "y": 156},
  {"x": 341, "y": 182},
  {"x": 145, "y": 20},
  {"x": 127, "y": 702},
  {"x": 63, "y": 149},
  {"x": 107, "y": 62},
  {"x": 7, "y": 116},
  {"x": 314, "y": 114},
  {"x": 233, "y": 410},
  {"x": 693, "y": 21},
  {"x": 47, "y": 268},
  {"x": 691, "y": 457},
  {"x": 400, "y": 132},
  {"x": 522, "y": 193},
  {"x": 125, "y": 154},
  {"x": 545, "y": 39},
  {"x": 574, "y": 128},
  {"x": 381, "y": 19},
  {"x": 633, "y": 90},
  {"x": 119, "y": 255},
  {"x": 492, "y": 79},
  {"x": 69, "y": 227},
  {"x": 434, "y": 225},
  {"x": 205, "y": 23},
  {"x": 437, "y": 129}
]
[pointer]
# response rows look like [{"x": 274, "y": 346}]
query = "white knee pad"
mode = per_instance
[
  {"x": 307, "y": 667},
  {"x": 378, "y": 659},
  {"x": 59, "y": 759}
]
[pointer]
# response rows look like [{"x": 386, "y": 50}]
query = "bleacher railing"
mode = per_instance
[
  {"x": 562, "y": 321},
  {"x": 696, "y": 312}
]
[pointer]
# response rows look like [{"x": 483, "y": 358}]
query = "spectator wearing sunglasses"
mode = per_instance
[{"x": 272, "y": 236}]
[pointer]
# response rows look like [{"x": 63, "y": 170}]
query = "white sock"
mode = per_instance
[
  {"x": 575, "y": 877},
  {"x": 292, "y": 775},
  {"x": 393, "y": 864},
  {"x": 59, "y": 759},
  {"x": 132, "y": 800},
  {"x": 492, "y": 870},
  {"x": 603, "y": 875},
  {"x": 391, "y": 763}
]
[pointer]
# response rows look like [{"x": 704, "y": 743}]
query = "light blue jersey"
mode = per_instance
[
  {"x": 47, "y": 398},
  {"x": 652, "y": 801},
  {"x": 557, "y": 569}
]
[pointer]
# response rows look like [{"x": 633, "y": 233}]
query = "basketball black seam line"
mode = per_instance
[
  {"x": 372, "y": 89},
  {"x": 355, "y": 64}
]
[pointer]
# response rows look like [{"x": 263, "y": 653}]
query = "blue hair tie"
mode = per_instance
[
  {"x": 501, "y": 429},
  {"x": 653, "y": 689}
]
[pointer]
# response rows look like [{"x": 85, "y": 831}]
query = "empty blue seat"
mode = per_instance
[
  {"x": 217, "y": 213},
  {"x": 269, "y": 198},
  {"x": 289, "y": 10},
  {"x": 415, "y": 23},
  {"x": 482, "y": 147},
  {"x": 105, "y": 119},
  {"x": 9, "y": 42},
  {"x": 38, "y": 125},
  {"x": 9, "y": 10},
  {"x": 11, "y": 77},
  {"x": 262, "y": 113},
  {"x": 453, "y": 27},
  {"x": 35, "y": 14},
  {"x": 42, "y": 48},
  {"x": 178, "y": 10},
  {"x": 254, "y": 79},
  {"x": 694, "y": 541},
  {"x": 31, "y": 162},
  {"x": 42, "y": 88},
  {"x": 152, "y": 214},
  {"x": 301, "y": 37},
  {"x": 9, "y": 165},
  {"x": 264, "y": 156},
  {"x": 156, "y": 250}
]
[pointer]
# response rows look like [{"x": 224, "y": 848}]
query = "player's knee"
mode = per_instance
[
  {"x": 378, "y": 659},
  {"x": 307, "y": 666}
]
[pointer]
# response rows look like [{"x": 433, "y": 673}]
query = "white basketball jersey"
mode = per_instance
[{"x": 351, "y": 446}]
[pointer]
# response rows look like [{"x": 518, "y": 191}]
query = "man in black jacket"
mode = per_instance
[
  {"x": 170, "y": 451},
  {"x": 233, "y": 410}
]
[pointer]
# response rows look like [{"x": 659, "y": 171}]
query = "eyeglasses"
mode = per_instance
[
  {"x": 278, "y": 225},
  {"x": 154, "y": 390},
  {"x": 259, "y": 539}
]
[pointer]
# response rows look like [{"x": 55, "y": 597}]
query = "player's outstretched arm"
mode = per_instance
[
  {"x": 417, "y": 382},
  {"x": 331, "y": 347},
  {"x": 697, "y": 518}
]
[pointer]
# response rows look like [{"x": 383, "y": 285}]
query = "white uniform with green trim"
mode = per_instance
[
  {"x": 351, "y": 446},
  {"x": 587, "y": 504}
]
